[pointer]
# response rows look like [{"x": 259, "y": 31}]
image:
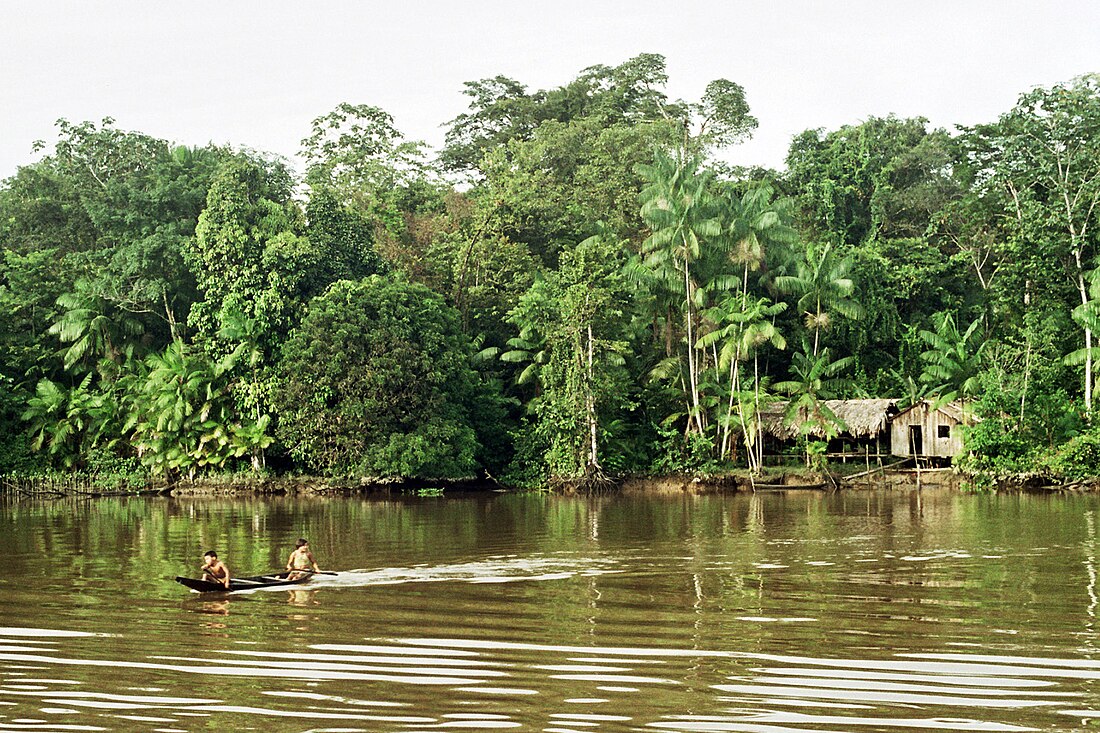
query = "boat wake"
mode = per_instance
[{"x": 500, "y": 569}]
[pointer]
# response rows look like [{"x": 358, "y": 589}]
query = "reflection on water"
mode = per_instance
[{"x": 776, "y": 614}]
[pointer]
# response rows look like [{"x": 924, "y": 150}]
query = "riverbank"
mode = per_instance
[
  {"x": 66, "y": 485},
  {"x": 774, "y": 479},
  {"x": 795, "y": 480}
]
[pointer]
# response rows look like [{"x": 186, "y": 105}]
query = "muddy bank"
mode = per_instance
[
  {"x": 773, "y": 480},
  {"x": 92, "y": 487},
  {"x": 905, "y": 479},
  {"x": 735, "y": 482},
  {"x": 796, "y": 480},
  {"x": 315, "y": 486}
]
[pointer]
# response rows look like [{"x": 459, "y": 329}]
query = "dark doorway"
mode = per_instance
[{"x": 916, "y": 440}]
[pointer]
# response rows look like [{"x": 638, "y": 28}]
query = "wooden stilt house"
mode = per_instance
[
  {"x": 928, "y": 430},
  {"x": 864, "y": 427}
]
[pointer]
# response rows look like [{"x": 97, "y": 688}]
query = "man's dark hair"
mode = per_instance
[
  {"x": 302, "y": 542},
  {"x": 211, "y": 553}
]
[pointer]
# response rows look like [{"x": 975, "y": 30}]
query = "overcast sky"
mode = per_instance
[{"x": 255, "y": 73}]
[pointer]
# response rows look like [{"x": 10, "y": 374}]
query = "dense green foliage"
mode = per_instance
[
  {"x": 376, "y": 381},
  {"x": 574, "y": 289}
]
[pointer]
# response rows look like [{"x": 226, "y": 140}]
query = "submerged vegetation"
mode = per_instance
[{"x": 574, "y": 288}]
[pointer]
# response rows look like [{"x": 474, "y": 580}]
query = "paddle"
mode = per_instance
[{"x": 312, "y": 572}]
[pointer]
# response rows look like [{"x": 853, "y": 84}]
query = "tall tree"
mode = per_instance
[
  {"x": 754, "y": 223},
  {"x": 864, "y": 180},
  {"x": 578, "y": 314},
  {"x": 503, "y": 110},
  {"x": 678, "y": 207},
  {"x": 247, "y": 254},
  {"x": 744, "y": 325},
  {"x": 1045, "y": 153},
  {"x": 357, "y": 151}
]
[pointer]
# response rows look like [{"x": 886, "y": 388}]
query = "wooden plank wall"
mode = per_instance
[{"x": 930, "y": 421}]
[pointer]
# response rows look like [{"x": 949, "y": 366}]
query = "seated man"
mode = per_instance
[
  {"x": 214, "y": 569},
  {"x": 299, "y": 560}
]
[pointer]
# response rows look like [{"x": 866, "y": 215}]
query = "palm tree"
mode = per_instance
[
  {"x": 94, "y": 329},
  {"x": 1087, "y": 316},
  {"x": 61, "y": 420},
  {"x": 952, "y": 364},
  {"x": 181, "y": 419},
  {"x": 744, "y": 325},
  {"x": 754, "y": 223},
  {"x": 528, "y": 347},
  {"x": 815, "y": 379},
  {"x": 823, "y": 285},
  {"x": 680, "y": 212}
]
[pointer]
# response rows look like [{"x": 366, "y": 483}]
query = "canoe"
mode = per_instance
[
  {"x": 789, "y": 487},
  {"x": 255, "y": 581}
]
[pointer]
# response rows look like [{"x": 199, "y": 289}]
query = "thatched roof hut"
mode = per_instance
[{"x": 862, "y": 418}]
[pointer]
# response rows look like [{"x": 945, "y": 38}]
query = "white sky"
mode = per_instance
[{"x": 255, "y": 73}]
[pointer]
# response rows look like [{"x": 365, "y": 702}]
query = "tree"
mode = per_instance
[
  {"x": 953, "y": 361},
  {"x": 754, "y": 223},
  {"x": 567, "y": 181},
  {"x": 577, "y": 313},
  {"x": 94, "y": 329},
  {"x": 357, "y": 152},
  {"x": 343, "y": 237},
  {"x": 15, "y": 449},
  {"x": 108, "y": 208},
  {"x": 860, "y": 181},
  {"x": 61, "y": 421},
  {"x": 502, "y": 110},
  {"x": 744, "y": 325},
  {"x": 723, "y": 117},
  {"x": 142, "y": 197},
  {"x": 247, "y": 255},
  {"x": 823, "y": 285},
  {"x": 377, "y": 382},
  {"x": 1045, "y": 153},
  {"x": 815, "y": 378},
  {"x": 357, "y": 148},
  {"x": 181, "y": 416},
  {"x": 680, "y": 211}
]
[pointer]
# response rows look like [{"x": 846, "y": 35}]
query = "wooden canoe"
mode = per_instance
[
  {"x": 249, "y": 583},
  {"x": 789, "y": 487}
]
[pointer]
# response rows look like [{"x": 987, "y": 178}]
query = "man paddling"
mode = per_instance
[
  {"x": 214, "y": 569},
  {"x": 300, "y": 560}
]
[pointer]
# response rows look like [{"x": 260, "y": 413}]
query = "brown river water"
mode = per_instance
[{"x": 765, "y": 614}]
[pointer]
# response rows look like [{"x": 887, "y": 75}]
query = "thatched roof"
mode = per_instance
[{"x": 863, "y": 418}]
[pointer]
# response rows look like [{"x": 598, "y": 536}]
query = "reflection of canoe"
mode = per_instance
[
  {"x": 788, "y": 487},
  {"x": 255, "y": 581}
]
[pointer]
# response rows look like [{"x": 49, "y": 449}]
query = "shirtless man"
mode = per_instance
[
  {"x": 300, "y": 559},
  {"x": 214, "y": 569}
]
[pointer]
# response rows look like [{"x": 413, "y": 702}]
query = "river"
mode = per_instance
[{"x": 773, "y": 613}]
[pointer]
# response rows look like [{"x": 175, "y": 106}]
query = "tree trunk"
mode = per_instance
[
  {"x": 593, "y": 467},
  {"x": 729, "y": 411},
  {"x": 168, "y": 314},
  {"x": 692, "y": 376},
  {"x": 1082, "y": 290},
  {"x": 759, "y": 428}
]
